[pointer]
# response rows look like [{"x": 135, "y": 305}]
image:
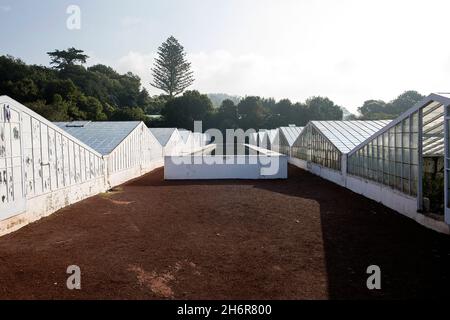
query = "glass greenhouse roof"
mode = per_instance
[
  {"x": 103, "y": 137},
  {"x": 433, "y": 115},
  {"x": 346, "y": 135},
  {"x": 433, "y": 129},
  {"x": 291, "y": 133},
  {"x": 163, "y": 135}
]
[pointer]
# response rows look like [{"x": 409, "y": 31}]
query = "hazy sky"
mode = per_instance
[{"x": 347, "y": 50}]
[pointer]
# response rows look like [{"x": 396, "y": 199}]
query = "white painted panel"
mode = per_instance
[
  {"x": 71, "y": 163},
  {"x": 59, "y": 161},
  {"x": 37, "y": 157},
  {"x": 52, "y": 159},
  {"x": 45, "y": 165},
  {"x": 66, "y": 164}
]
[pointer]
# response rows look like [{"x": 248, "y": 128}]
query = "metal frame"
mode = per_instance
[
  {"x": 420, "y": 164},
  {"x": 446, "y": 162}
]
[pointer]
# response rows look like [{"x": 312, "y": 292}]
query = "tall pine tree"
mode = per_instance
[{"x": 171, "y": 71}]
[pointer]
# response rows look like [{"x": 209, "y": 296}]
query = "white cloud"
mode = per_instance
[
  {"x": 349, "y": 51},
  {"x": 140, "y": 64},
  {"x": 349, "y": 81}
]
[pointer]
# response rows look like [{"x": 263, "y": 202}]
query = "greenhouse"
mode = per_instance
[
  {"x": 169, "y": 139},
  {"x": 284, "y": 139},
  {"x": 322, "y": 145},
  {"x": 405, "y": 165},
  {"x": 272, "y": 137},
  {"x": 42, "y": 168},
  {"x": 128, "y": 147}
]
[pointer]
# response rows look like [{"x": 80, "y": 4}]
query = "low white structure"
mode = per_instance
[
  {"x": 257, "y": 164},
  {"x": 128, "y": 147},
  {"x": 169, "y": 139},
  {"x": 42, "y": 168}
]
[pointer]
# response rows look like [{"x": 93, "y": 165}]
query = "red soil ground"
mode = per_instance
[{"x": 304, "y": 238}]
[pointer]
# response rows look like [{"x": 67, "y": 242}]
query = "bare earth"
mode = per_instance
[{"x": 304, "y": 238}]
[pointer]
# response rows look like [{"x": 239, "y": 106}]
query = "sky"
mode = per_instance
[{"x": 349, "y": 51}]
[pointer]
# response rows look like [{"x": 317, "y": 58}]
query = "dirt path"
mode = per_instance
[{"x": 303, "y": 238}]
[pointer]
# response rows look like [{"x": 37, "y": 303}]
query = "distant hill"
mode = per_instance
[{"x": 217, "y": 98}]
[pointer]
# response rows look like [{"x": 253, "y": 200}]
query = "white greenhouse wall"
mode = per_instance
[
  {"x": 48, "y": 203},
  {"x": 138, "y": 154},
  {"x": 42, "y": 167}
]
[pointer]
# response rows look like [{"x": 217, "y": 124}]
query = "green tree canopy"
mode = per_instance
[
  {"x": 182, "y": 111},
  {"x": 251, "y": 112},
  {"x": 129, "y": 114},
  {"x": 378, "y": 109},
  {"x": 323, "y": 109},
  {"x": 227, "y": 115},
  {"x": 60, "y": 59},
  {"x": 172, "y": 72}
]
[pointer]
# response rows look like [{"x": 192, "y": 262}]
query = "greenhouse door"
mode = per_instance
[
  {"x": 12, "y": 195},
  {"x": 447, "y": 165}
]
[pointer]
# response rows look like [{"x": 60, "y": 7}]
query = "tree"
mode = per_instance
[
  {"x": 57, "y": 111},
  {"x": 129, "y": 114},
  {"x": 404, "y": 101},
  {"x": 371, "y": 107},
  {"x": 155, "y": 104},
  {"x": 229, "y": 110},
  {"x": 321, "y": 108},
  {"x": 378, "y": 109},
  {"x": 284, "y": 109},
  {"x": 171, "y": 71},
  {"x": 63, "y": 58},
  {"x": 182, "y": 111},
  {"x": 252, "y": 113},
  {"x": 92, "y": 107},
  {"x": 227, "y": 115}
]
